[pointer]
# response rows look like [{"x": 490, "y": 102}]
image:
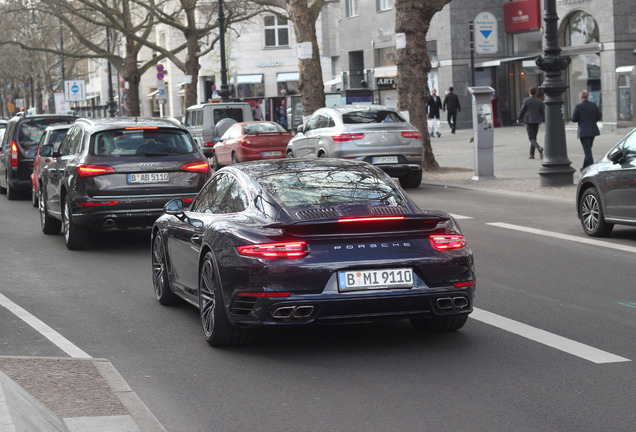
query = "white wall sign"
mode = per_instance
[
  {"x": 400, "y": 40},
  {"x": 485, "y": 30},
  {"x": 304, "y": 50},
  {"x": 75, "y": 90}
]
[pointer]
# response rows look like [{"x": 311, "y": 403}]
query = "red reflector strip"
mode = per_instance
[
  {"x": 141, "y": 128},
  {"x": 371, "y": 219},
  {"x": 94, "y": 170},
  {"x": 275, "y": 250},
  {"x": 463, "y": 284},
  {"x": 264, "y": 294},
  {"x": 444, "y": 242},
  {"x": 187, "y": 200},
  {"x": 196, "y": 167},
  {"x": 96, "y": 203},
  {"x": 412, "y": 134}
]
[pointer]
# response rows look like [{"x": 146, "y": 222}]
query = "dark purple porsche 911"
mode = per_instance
[{"x": 301, "y": 241}]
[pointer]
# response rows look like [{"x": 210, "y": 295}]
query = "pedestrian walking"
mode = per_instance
[
  {"x": 433, "y": 107},
  {"x": 532, "y": 113},
  {"x": 586, "y": 114},
  {"x": 452, "y": 108}
]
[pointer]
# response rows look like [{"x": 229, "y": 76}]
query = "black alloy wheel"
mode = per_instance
[
  {"x": 75, "y": 237},
  {"x": 235, "y": 159},
  {"x": 12, "y": 194},
  {"x": 592, "y": 217},
  {"x": 49, "y": 224},
  {"x": 215, "y": 162},
  {"x": 290, "y": 154},
  {"x": 160, "y": 280},
  {"x": 441, "y": 324},
  {"x": 34, "y": 197},
  {"x": 217, "y": 330}
]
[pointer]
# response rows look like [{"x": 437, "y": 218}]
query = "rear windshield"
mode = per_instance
[
  {"x": 326, "y": 187},
  {"x": 31, "y": 131},
  {"x": 372, "y": 116},
  {"x": 136, "y": 142},
  {"x": 223, "y": 113},
  {"x": 251, "y": 128}
]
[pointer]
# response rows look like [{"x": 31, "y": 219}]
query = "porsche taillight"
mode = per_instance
[
  {"x": 14, "y": 154},
  {"x": 94, "y": 170},
  {"x": 289, "y": 250},
  {"x": 445, "y": 242}
]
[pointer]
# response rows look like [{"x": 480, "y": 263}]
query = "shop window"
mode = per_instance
[
  {"x": 580, "y": 29},
  {"x": 276, "y": 32}
]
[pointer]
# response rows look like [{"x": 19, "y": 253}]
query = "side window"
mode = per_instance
[
  {"x": 67, "y": 142},
  {"x": 222, "y": 195},
  {"x": 329, "y": 123},
  {"x": 235, "y": 199},
  {"x": 188, "y": 119},
  {"x": 76, "y": 143},
  {"x": 630, "y": 146},
  {"x": 8, "y": 135},
  {"x": 199, "y": 118},
  {"x": 313, "y": 122}
]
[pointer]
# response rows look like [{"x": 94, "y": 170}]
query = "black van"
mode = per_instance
[{"x": 19, "y": 144}]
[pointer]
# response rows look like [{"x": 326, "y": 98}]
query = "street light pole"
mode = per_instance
[
  {"x": 62, "y": 52},
  {"x": 556, "y": 169},
  {"x": 224, "y": 91},
  {"x": 111, "y": 101}
]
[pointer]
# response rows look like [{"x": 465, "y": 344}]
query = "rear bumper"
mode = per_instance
[
  {"x": 127, "y": 212},
  {"x": 398, "y": 170},
  {"x": 308, "y": 309}
]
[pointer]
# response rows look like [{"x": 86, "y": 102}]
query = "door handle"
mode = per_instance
[{"x": 196, "y": 239}]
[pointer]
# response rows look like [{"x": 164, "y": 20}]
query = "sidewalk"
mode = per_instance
[
  {"x": 514, "y": 172},
  {"x": 42, "y": 394}
]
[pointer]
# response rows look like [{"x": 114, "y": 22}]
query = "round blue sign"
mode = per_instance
[{"x": 75, "y": 88}]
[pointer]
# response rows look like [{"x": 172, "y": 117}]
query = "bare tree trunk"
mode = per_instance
[
  {"x": 311, "y": 85},
  {"x": 413, "y": 18}
]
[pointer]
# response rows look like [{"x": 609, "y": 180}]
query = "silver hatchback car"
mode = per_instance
[{"x": 376, "y": 134}]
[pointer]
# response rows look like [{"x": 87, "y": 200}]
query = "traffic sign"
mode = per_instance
[
  {"x": 74, "y": 90},
  {"x": 486, "y": 37},
  {"x": 160, "y": 76},
  {"x": 160, "y": 68}
]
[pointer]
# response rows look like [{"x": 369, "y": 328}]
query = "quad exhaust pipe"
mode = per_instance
[
  {"x": 293, "y": 312},
  {"x": 451, "y": 303}
]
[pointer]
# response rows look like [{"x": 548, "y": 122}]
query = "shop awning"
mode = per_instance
[
  {"x": 287, "y": 76},
  {"x": 499, "y": 62},
  {"x": 333, "y": 82},
  {"x": 152, "y": 94},
  {"x": 249, "y": 79}
]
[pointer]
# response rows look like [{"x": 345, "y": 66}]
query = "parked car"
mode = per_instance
[
  {"x": 208, "y": 122},
  {"x": 373, "y": 133},
  {"x": 300, "y": 241},
  {"x": 19, "y": 146},
  {"x": 117, "y": 173},
  {"x": 249, "y": 141},
  {"x": 52, "y": 136},
  {"x": 606, "y": 192}
]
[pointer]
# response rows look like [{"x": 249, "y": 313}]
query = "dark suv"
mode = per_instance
[
  {"x": 19, "y": 145},
  {"x": 117, "y": 173}
]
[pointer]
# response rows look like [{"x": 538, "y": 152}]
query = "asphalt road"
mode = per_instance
[{"x": 550, "y": 346}]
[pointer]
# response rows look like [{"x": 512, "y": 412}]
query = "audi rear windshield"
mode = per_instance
[
  {"x": 141, "y": 142},
  {"x": 372, "y": 116},
  {"x": 327, "y": 187}
]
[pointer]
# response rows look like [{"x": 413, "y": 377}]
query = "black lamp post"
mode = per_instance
[
  {"x": 111, "y": 101},
  {"x": 556, "y": 169},
  {"x": 224, "y": 91}
]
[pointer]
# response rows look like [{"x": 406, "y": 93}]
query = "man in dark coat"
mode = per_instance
[
  {"x": 586, "y": 114},
  {"x": 532, "y": 114},
  {"x": 452, "y": 107},
  {"x": 433, "y": 106}
]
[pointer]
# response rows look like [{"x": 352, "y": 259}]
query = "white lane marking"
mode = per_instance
[
  {"x": 46, "y": 331},
  {"x": 550, "y": 339},
  {"x": 552, "y": 234},
  {"x": 456, "y": 216}
]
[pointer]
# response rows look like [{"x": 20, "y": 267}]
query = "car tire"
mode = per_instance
[
  {"x": 34, "y": 198},
  {"x": 411, "y": 180},
  {"x": 215, "y": 163},
  {"x": 160, "y": 280},
  {"x": 591, "y": 215},
  {"x": 12, "y": 194},
  {"x": 289, "y": 155},
  {"x": 3, "y": 190},
  {"x": 443, "y": 324},
  {"x": 49, "y": 224},
  {"x": 217, "y": 330},
  {"x": 235, "y": 159},
  {"x": 75, "y": 237}
]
